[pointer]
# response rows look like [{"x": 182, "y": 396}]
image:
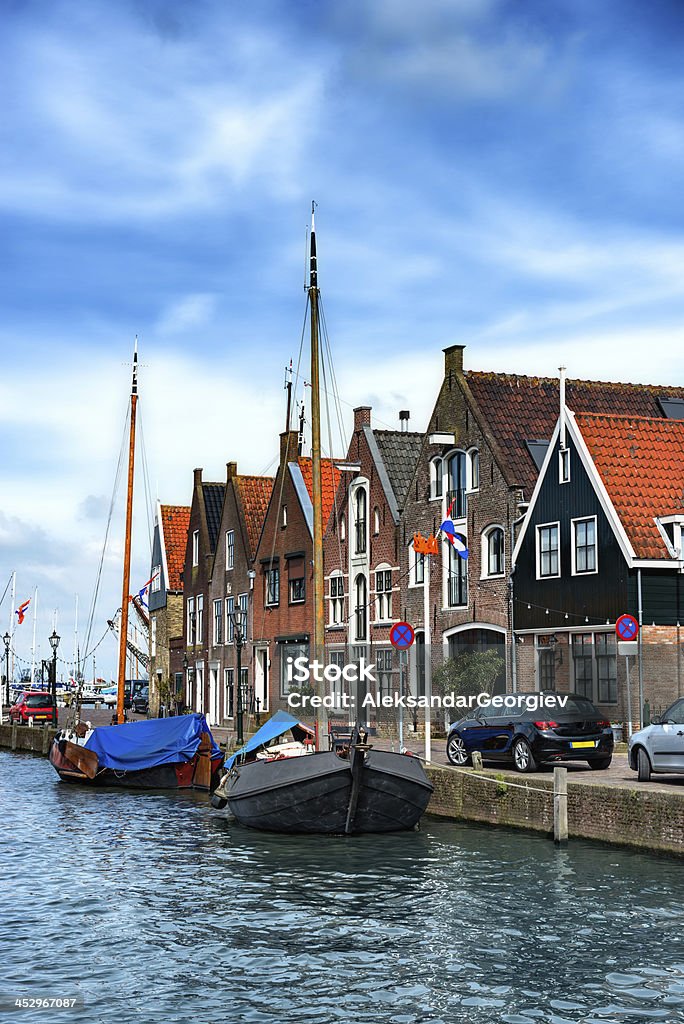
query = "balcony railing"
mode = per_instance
[{"x": 458, "y": 502}]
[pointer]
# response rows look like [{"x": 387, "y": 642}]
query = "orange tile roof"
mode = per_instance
[
  {"x": 330, "y": 478},
  {"x": 255, "y": 494},
  {"x": 518, "y": 409},
  {"x": 641, "y": 463},
  {"x": 175, "y": 523}
]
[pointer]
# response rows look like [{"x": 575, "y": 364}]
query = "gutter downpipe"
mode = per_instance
[{"x": 640, "y": 652}]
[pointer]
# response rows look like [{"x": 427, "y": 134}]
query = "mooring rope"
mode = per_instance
[{"x": 486, "y": 778}]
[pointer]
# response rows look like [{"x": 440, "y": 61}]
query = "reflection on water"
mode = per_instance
[{"x": 155, "y": 908}]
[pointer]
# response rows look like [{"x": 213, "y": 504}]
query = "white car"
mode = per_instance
[{"x": 659, "y": 748}]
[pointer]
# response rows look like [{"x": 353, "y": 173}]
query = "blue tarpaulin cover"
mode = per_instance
[
  {"x": 136, "y": 745},
  {"x": 276, "y": 726}
]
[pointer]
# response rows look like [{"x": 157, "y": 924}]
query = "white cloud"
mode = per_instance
[{"x": 189, "y": 312}]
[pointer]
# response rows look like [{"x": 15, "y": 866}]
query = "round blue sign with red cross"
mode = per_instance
[
  {"x": 627, "y": 627},
  {"x": 402, "y": 635}
]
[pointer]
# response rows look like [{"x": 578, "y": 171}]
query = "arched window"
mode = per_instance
[
  {"x": 493, "y": 552},
  {"x": 343, "y": 528},
  {"x": 376, "y": 520},
  {"x": 336, "y": 598},
  {"x": 416, "y": 567},
  {"x": 457, "y": 579},
  {"x": 436, "y": 478},
  {"x": 474, "y": 461},
  {"x": 456, "y": 480},
  {"x": 360, "y": 521},
  {"x": 383, "y": 593},
  {"x": 360, "y": 611}
]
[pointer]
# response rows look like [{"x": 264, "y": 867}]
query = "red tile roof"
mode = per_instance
[
  {"x": 641, "y": 463},
  {"x": 175, "y": 523},
  {"x": 255, "y": 494},
  {"x": 330, "y": 478},
  {"x": 518, "y": 409}
]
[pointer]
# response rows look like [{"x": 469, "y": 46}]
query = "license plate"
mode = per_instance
[{"x": 583, "y": 743}]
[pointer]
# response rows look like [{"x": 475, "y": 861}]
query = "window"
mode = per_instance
[
  {"x": 190, "y": 627},
  {"x": 376, "y": 521},
  {"x": 153, "y": 636},
  {"x": 242, "y": 605},
  {"x": 360, "y": 610},
  {"x": 436, "y": 478},
  {"x": 336, "y": 599},
  {"x": 548, "y": 556},
  {"x": 339, "y": 686},
  {"x": 195, "y": 548},
  {"x": 606, "y": 668},
  {"x": 283, "y": 516},
  {"x": 564, "y": 465},
  {"x": 457, "y": 583},
  {"x": 582, "y": 658},
  {"x": 296, "y": 590},
  {"x": 456, "y": 493},
  {"x": 383, "y": 595},
  {"x": 493, "y": 555},
  {"x": 230, "y": 549},
  {"x": 383, "y": 665},
  {"x": 360, "y": 521},
  {"x": 272, "y": 586},
  {"x": 343, "y": 528},
  {"x": 218, "y": 621},
  {"x": 294, "y": 651},
  {"x": 200, "y": 618},
  {"x": 416, "y": 567},
  {"x": 229, "y": 698},
  {"x": 474, "y": 459},
  {"x": 155, "y": 585},
  {"x": 230, "y": 628},
  {"x": 584, "y": 545},
  {"x": 547, "y": 669}
]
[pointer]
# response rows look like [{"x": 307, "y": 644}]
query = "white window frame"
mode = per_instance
[
  {"x": 343, "y": 528},
  {"x": 485, "y": 574},
  {"x": 230, "y": 549},
  {"x": 230, "y": 629},
  {"x": 446, "y": 489},
  {"x": 155, "y": 583},
  {"x": 573, "y": 546},
  {"x": 473, "y": 460},
  {"x": 564, "y": 466},
  {"x": 190, "y": 612},
  {"x": 414, "y": 561},
  {"x": 383, "y": 597},
  {"x": 283, "y": 516},
  {"x": 336, "y": 600},
  {"x": 376, "y": 521},
  {"x": 218, "y": 607},
  {"x": 195, "y": 547},
  {"x": 153, "y": 636},
  {"x": 538, "y": 529},
  {"x": 436, "y": 478},
  {"x": 200, "y": 618}
]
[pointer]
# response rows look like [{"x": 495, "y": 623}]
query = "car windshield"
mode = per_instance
[
  {"x": 38, "y": 700},
  {"x": 579, "y": 707}
]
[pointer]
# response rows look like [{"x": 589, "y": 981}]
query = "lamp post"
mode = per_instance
[
  {"x": 7, "y": 641},
  {"x": 238, "y": 618},
  {"x": 54, "y": 644}
]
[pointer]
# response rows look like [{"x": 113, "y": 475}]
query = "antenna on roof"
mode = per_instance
[
  {"x": 300, "y": 436},
  {"x": 288, "y": 387}
]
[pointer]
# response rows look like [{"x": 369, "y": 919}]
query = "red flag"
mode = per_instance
[{"x": 21, "y": 611}]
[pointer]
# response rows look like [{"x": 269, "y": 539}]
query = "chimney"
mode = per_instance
[
  {"x": 288, "y": 446},
  {"x": 453, "y": 359},
  {"x": 404, "y": 417},
  {"x": 231, "y": 471},
  {"x": 362, "y": 417},
  {"x": 197, "y": 474}
]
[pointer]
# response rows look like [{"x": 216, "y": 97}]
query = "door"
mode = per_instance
[
  {"x": 667, "y": 740},
  {"x": 213, "y": 717},
  {"x": 261, "y": 679},
  {"x": 199, "y": 688}
]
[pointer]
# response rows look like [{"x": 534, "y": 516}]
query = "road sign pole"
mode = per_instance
[
  {"x": 629, "y": 699},
  {"x": 428, "y": 658}
]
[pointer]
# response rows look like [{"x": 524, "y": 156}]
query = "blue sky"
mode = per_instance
[{"x": 502, "y": 174}]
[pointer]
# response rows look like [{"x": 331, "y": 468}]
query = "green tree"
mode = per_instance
[{"x": 469, "y": 673}]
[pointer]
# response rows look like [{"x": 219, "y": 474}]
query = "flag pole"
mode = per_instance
[
  {"x": 33, "y": 641},
  {"x": 12, "y": 622}
]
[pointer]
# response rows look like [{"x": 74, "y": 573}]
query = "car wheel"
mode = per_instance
[
  {"x": 643, "y": 765},
  {"x": 456, "y": 751},
  {"x": 600, "y": 763},
  {"x": 523, "y": 758}
]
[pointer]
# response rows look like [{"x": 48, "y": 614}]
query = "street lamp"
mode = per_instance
[
  {"x": 239, "y": 620},
  {"x": 54, "y": 644},
  {"x": 7, "y": 640}
]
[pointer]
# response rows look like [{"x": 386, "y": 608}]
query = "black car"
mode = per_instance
[
  {"x": 141, "y": 701},
  {"x": 527, "y": 739}
]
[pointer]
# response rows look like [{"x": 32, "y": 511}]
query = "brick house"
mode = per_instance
[
  {"x": 166, "y": 597},
  {"x": 481, "y": 455},
  {"x": 203, "y": 531},
  {"x": 361, "y": 547},
  {"x": 282, "y": 621},
  {"x": 604, "y": 537},
  {"x": 232, "y": 586}
]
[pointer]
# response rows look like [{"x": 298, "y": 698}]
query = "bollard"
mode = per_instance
[
  {"x": 477, "y": 760},
  {"x": 560, "y": 805},
  {"x": 14, "y": 736},
  {"x": 46, "y": 740}
]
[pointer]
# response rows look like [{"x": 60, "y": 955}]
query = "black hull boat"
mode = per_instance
[{"x": 356, "y": 790}]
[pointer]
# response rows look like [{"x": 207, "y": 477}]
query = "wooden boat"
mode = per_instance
[
  {"x": 159, "y": 753},
  {"x": 350, "y": 790}
]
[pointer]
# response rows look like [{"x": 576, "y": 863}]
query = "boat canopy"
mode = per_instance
[
  {"x": 276, "y": 726},
  {"x": 150, "y": 742}
]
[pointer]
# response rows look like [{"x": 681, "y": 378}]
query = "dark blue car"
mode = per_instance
[{"x": 529, "y": 738}]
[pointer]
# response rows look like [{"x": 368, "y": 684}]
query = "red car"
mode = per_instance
[{"x": 33, "y": 704}]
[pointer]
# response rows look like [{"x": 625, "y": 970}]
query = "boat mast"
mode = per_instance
[
  {"x": 127, "y": 546},
  {"x": 318, "y": 623}
]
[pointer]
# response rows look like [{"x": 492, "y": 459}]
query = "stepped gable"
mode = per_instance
[
  {"x": 255, "y": 494},
  {"x": 517, "y": 409},
  {"x": 641, "y": 464},
  {"x": 175, "y": 523},
  {"x": 399, "y": 450}
]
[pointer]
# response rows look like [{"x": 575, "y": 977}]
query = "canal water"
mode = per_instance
[{"x": 154, "y": 907}]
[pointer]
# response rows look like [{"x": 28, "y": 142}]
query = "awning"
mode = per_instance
[{"x": 276, "y": 726}]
